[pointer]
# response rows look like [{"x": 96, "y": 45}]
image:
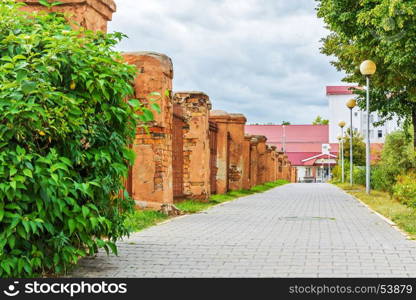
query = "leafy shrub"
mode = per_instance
[
  {"x": 405, "y": 189},
  {"x": 359, "y": 175},
  {"x": 64, "y": 139},
  {"x": 397, "y": 158},
  {"x": 381, "y": 179}
]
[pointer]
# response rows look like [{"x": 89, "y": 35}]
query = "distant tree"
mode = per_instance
[
  {"x": 320, "y": 121},
  {"x": 286, "y": 123},
  {"x": 358, "y": 147}
]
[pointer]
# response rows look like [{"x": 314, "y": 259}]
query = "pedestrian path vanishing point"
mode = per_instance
[{"x": 297, "y": 230}]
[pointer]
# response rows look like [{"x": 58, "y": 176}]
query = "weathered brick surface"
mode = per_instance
[
  {"x": 196, "y": 158},
  {"x": 254, "y": 157},
  {"x": 221, "y": 118},
  {"x": 236, "y": 129},
  {"x": 294, "y": 175},
  {"x": 262, "y": 159},
  {"x": 90, "y": 14},
  {"x": 246, "y": 162},
  {"x": 152, "y": 171}
]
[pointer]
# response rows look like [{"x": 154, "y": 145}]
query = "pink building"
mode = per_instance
[{"x": 303, "y": 145}]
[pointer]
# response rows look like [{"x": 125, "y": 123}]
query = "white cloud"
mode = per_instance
[{"x": 257, "y": 57}]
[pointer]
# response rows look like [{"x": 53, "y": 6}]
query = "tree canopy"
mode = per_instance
[
  {"x": 358, "y": 147},
  {"x": 320, "y": 121},
  {"x": 385, "y": 32}
]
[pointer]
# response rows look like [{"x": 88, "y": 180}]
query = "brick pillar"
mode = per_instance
[
  {"x": 294, "y": 177},
  {"x": 268, "y": 163},
  {"x": 246, "y": 162},
  {"x": 253, "y": 161},
  {"x": 221, "y": 118},
  {"x": 280, "y": 165},
  {"x": 90, "y": 14},
  {"x": 286, "y": 168},
  {"x": 274, "y": 164},
  {"x": 236, "y": 126},
  {"x": 196, "y": 107},
  {"x": 261, "y": 149},
  {"x": 151, "y": 175}
]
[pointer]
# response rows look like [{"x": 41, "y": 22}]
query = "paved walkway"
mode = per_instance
[{"x": 298, "y": 230}]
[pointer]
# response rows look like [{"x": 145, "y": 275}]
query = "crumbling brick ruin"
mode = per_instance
[
  {"x": 90, "y": 14},
  {"x": 188, "y": 151}
]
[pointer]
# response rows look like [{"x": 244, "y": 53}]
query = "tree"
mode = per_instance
[
  {"x": 320, "y": 121},
  {"x": 285, "y": 123},
  {"x": 385, "y": 32},
  {"x": 65, "y": 132},
  {"x": 358, "y": 148}
]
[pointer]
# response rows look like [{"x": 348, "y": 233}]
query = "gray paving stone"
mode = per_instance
[{"x": 298, "y": 230}]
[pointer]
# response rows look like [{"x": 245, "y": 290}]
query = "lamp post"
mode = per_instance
[
  {"x": 351, "y": 104},
  {"x": 368, "y": 68},
  {"x": 342, "y": 125}
]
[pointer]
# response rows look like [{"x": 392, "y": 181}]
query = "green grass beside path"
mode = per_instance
[
  {"x": 142, "y": 219},
  {"x": 404, "y": 216}
]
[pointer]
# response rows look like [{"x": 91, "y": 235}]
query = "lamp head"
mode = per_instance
[
  {"x": 341, "y": 124},
  {"x": 351, "y": 103},
  {"x": 368, "y": 68}
]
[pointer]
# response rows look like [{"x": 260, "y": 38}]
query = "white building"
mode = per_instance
[{"x": 338, "y": 111}]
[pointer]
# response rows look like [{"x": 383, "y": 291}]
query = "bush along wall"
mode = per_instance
[{"x": 64, "y": 136}]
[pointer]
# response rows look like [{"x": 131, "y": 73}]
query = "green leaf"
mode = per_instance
[
  {"x": 28, "y": 86},
  {"x": 155, "y": 107},
  {"x": 6, "y": 267},
  {"x": 113, "y": 248},
  {"x": 28, "y": 173},
  {"x": 13, "y": 185},
  {"x": 135, "y": 103},
  {"x": 12, "y": 241},
  {"x": 85, "y": 211},
  {"x": 1, "y": 211},
  {"x": 45, "y": 3},
  {"x": 21, "y": 231},
  {"x": 13, "y": 171},
  {"x": 72, "y": 225}
]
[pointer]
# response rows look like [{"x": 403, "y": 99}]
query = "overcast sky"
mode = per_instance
[{"x": 257, "y": 57}]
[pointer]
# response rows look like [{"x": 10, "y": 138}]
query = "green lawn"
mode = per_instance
[
  {"x": 404, "y": 216},
  {"x": 142, "y": 219},
  {"x": 192, "y": 206}
]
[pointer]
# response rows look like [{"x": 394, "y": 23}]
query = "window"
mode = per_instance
[
  {"x": 380, "y": 134},
  {"x": 371, "y": 134},
  {"x": 308, "y": 172},
  {"x": 356, "y": 114}
]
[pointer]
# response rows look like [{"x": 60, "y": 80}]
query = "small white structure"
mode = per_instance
[{"x": 337, "y": 97}]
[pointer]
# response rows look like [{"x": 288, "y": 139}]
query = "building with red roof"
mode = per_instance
[{"x": 303, "y": 145}]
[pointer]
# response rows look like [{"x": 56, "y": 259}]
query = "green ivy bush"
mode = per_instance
[
  {"x": 64, "y": 134},
  {"x": 405, "y": 189}
]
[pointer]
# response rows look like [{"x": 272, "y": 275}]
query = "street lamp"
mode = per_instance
[
  {"x": 351, "y": 104},
  {"x": 342, "y": 125},
  {"x": 368, "y": 68}
]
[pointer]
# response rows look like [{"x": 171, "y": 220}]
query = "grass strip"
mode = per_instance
[{"x": 142, "y": 219}]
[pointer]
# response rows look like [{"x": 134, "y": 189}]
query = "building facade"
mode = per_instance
[{"x": 337, "y": 97}]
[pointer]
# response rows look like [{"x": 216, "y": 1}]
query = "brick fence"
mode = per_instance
[{"x": 190, "y": 151}]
